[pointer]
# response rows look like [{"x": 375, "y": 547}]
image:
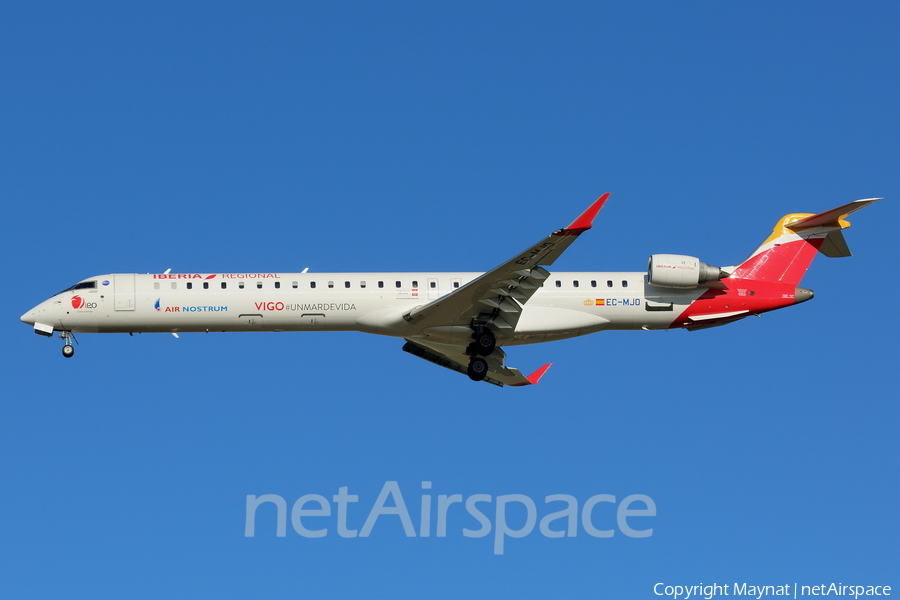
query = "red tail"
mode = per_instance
[
  {"x": 783, "y": 263},
  {"x": 787, "y": 253}
]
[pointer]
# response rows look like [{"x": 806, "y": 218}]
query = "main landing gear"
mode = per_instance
[
  {"x": 68, "y": 350},
  {"x": 478, "y": 369},
  {"x": 483, "y": 344}
]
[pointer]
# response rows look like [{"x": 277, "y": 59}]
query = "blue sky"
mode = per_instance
[{"x": 224, "y": 137}]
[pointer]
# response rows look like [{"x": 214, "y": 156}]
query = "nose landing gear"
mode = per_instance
[{"x": 68, "y": 350}]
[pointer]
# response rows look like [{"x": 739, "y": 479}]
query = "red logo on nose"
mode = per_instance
[{"x": 77, "y": 302}]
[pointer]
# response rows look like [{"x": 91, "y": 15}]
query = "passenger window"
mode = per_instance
[
  {"x": 155, "y": 285},
  {"x": 455, "y": 284},
  {"x": 381, "y": 284},
  {"x": 346, "y": 284},
  {"x": 362, "y": 284},
  {"x": 624, "y": 283},
  {"x": 190, "y": 285},
  {"x": 277, "y": 285},
  {"x": 593, "y": 283},
  {"x": 259, "y": 285},
  {"x": 174, "y": 285},
  {"x": 240, "y": 285},
  {"x": 558, "y": 283},
  {"x": 575, "y": 284},
  {"x": 609, "y": 284},
  {"x": 415, "y": 283},
  {"x": 224, "y": 285},
  {"x": 433, "y": 284},
  {"x": 312, "y": 285},
  {"x": 330, "y": 284},
  {"x": 295, "y": 285},
  {"x": 398, "y": 284},
  {"x": 205, "y": 285}
]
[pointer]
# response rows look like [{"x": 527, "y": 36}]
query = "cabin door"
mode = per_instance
[{"x": 124, "y": 291}]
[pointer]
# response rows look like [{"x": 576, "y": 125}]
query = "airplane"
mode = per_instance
[{"x": 458, "y": 320}]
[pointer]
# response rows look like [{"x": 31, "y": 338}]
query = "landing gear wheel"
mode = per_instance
[
  {"x": 478, "y": 369},
  {"x": 68, "y": 351},
  {"x": 484, "y": 343}
]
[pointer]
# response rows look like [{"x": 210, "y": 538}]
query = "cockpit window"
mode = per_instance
[{"x": 84, "y": 285}]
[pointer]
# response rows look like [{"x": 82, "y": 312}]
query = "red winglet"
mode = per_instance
[
  {"x": 536, "y": 376},
  {"x": 586, "y": 219}
]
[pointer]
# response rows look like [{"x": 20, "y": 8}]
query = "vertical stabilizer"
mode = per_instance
[{"x": 787, "y": 253}]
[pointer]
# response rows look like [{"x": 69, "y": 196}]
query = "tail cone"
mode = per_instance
[{"x": 802, "y": 295}]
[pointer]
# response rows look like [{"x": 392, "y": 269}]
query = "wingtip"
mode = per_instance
[
  {"x": 586, "y": 219},
  {"x": 536, "y": 376}
]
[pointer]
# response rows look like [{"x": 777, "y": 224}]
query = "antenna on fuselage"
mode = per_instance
[
  {"x": 166, "y": 272},
  {"x": 304, "y": 270}
]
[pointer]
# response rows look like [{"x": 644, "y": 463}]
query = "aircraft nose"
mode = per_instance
[{"x": 26, "y": 318}]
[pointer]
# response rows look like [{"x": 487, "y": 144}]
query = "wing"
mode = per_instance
[
  {"x": 455, "y": 359},
  {"x": 496, "y": 298}
]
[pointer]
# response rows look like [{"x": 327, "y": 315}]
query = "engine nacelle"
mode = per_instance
[{"x": 677, "y": 271}]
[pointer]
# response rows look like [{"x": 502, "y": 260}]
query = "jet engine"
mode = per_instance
[{"x": 677, "y": 271}]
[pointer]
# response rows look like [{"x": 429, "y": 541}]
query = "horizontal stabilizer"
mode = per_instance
[{"x": 832, "y": 217}]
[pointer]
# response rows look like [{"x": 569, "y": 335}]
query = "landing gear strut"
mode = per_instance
[
  {"x": 68, "y": 350},
  {"x": 478, "y": 369}
]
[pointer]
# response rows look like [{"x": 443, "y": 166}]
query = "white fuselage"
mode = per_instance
[{"x": 567, "y": 305}]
